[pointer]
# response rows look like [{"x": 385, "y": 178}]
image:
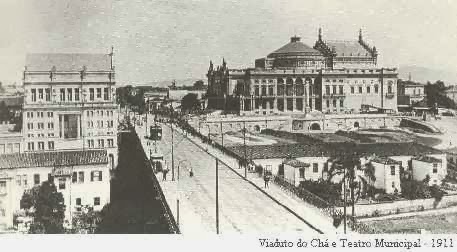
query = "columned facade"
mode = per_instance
[{"x": 332, "y": 77}]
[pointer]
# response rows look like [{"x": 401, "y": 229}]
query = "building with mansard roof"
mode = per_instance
[{"x": 332, "y": 77}]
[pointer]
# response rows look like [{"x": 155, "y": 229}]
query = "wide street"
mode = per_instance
[{"x": 243, "y": 208}]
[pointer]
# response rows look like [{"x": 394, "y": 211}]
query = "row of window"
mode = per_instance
[
  {"x": 40, "y": 135},
  {"x": 315, "y": 170},
  {"x": 78, "y": 177},
  {"x": 100, "y": 143},
  {"x": 39, "y": 114},
  {"x": 334, "y": 102},
  {"x": 91, "y": 113},
  {"x": 10, "y": 148},
  {"x": 69, "y": 94},
  {"x": 40, "y": 125},
  {"x": 79, "y": 203},
  {"x": 40, "y": 146},
  {"x": 360, "y": 89},
  {"x": 100, "y": 124}
]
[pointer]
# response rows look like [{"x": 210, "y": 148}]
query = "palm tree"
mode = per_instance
[
  {"x": 346, "y": 163},
  {"x": 369, "y": 173}
]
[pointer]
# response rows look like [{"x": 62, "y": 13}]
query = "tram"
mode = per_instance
[{"x": 155, "y": 132}]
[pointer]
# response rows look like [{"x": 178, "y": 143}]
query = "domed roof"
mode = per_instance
[{"x": 295, "y": 48}]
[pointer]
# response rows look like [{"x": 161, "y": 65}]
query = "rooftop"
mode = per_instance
[
  {"x": 53, "y": 159},
  {"x": 295, "y": 47},
  {"x": 347, "y": 48},
  {"x": 67, "y": 62},
  {"x": 322, "y": 149},
  {"x": 296, "y": 163},
  {"x": 385, "y": 160},
  {"x": 452, "y": 150},
  {"x": 427, "y": 159}
]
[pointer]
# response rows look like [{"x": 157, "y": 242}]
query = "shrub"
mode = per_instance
[
  {"x": 324, "y": 189},
  {"x": 421, "y": 208},
  {"x": 375, "y": 213},
  {"x": 397, "y": 211}
]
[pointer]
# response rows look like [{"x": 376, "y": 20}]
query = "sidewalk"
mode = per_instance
[
  {"x": 412, "y": 214},
  {"x": 301, "y": 208}
]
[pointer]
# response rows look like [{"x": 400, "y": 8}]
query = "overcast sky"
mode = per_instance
[{"x": 175, "y": 39}]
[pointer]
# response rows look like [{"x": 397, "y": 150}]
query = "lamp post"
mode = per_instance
[
  {"x": 217, "y": 196},
  {"x": 244, "y": 145}
]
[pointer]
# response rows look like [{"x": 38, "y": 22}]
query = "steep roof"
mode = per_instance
[
  {"x": 295, "y": 47},
  {"x": 385, "y": 160},
  {"x": 53, "y": 159},
  {"x": 296, "y": 163},
  {"x": 320, "y": 149},
  {"x": 428, "y": 159},
  {"x": 67, "y": 61},
  {"x": 348, "y": 48}
]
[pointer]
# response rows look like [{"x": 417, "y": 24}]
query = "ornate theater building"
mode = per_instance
[{"x": 333, "y": 77}]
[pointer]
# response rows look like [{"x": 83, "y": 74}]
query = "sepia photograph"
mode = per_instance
[{"x": 225, "y": 117}]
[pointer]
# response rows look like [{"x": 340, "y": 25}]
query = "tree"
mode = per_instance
[
  {"x": 86, "y": 220},
  {"x": 199, "y": 84},
  {"x": 47, "y": 207},
  {"x": 190, "y": 103},
  {"x": 436, "y": 95},
  {"x": 346, "y": 164}
]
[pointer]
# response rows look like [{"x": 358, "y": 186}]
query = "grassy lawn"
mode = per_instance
[{"x": 436, "y": 224}]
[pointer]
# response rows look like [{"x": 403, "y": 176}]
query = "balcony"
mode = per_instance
[
  {"x": 329, "y": 96},
  {"x": 390, "y": 95}
]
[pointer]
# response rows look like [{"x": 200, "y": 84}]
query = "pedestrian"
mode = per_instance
[
  {"x": 266, "y": 179},
  {"x": 191, "y": 172},
  {"x": 164, "y": 173}
]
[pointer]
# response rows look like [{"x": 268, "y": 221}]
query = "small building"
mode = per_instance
[
  {"x": 83, "y": 178},
  {"x": 11, "y": 142},
  {"x": 295, "y": 171},
  {"x": 387, "y": 173},
  {"x": 156, "y": 97},
  {"x": 428, "y": 165}
]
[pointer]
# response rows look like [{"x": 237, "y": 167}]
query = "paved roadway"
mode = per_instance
[{"x": 243, "y": 208}]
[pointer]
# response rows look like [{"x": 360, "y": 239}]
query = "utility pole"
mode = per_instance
[
  {"x": 217, "y": 196},
  {"x": 244, "y": 144},
  {"x": 222, "y": 135},
  {"x": 172, "y": 155},
  {"x": 344, "y": 188},
  {"x": 146, "y": 123}
]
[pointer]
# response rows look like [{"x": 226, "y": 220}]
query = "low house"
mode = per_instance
[
  {"x": 434, "y": 167},
  {"x": 313, "y": 161},
  {"x": 387, "y": 174},
  {"x": 83, "y": 178},
  {"x": 295, "y": 171}
]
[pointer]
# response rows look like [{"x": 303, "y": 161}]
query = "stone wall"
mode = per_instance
[{"x": 403, "y": 206}]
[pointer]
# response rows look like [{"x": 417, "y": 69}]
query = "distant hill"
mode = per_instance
[
  {"x": 424, "y": 74},
  {"x": 166, "y": 83}
]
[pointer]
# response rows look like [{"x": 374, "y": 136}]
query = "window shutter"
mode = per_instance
[
  {"x": 100, "y": 176},
  {"x": 92, "y": 176}
]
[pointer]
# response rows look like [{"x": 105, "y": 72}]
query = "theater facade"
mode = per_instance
[{"x": 333, "y": 76}]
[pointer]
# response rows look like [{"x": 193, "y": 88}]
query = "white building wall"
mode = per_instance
[{"x": 87, "y": 190}]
